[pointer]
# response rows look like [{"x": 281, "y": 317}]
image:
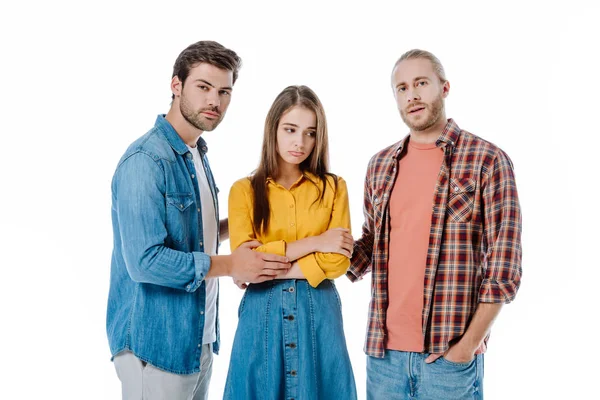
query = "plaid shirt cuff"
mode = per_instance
[
  {"x": 353, "y": 278},
  {"x": 493, "y": 291}
]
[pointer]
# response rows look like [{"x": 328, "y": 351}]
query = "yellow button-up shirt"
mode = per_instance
[{"x": 295, "y": 215}]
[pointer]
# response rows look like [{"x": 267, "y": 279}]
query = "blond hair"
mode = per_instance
[{"x": 435, "y": 62}]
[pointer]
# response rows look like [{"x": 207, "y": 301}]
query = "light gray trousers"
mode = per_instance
[{"x": 142, "y": 381}]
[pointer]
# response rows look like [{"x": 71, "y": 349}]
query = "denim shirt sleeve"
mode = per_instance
[{"x": 139, "y": 191}]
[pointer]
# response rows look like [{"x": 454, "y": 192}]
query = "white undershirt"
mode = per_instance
[{"x": 209, "y": 228}]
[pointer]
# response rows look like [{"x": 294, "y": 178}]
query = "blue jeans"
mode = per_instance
[{"x": 402, "y": 375}]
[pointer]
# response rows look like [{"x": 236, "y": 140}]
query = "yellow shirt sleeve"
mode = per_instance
[
  {"x": 241, "y": 229},
  {"x": 317, "y": 267}
]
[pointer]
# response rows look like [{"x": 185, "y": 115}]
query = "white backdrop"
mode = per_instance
[{"x": 81, "y": 80}]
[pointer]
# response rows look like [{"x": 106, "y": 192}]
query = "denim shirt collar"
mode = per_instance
[{"x": 174, "y": 139}]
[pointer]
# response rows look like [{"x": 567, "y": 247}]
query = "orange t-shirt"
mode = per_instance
[{"x": 411, "y": 204}]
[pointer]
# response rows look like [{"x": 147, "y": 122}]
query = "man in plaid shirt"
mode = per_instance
[{"x": 442, "y": 238}]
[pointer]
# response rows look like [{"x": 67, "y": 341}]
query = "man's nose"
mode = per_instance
[
  {"x": 213, "y": 99},
  {"x": 413, "y": 95}
]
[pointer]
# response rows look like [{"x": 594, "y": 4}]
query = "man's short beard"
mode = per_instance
[
  {"x": 193, "y": 117},
  {"x": 437, "y": 109}
]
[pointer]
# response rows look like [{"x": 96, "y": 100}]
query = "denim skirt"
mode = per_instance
[{"x": 289, "y": 344}]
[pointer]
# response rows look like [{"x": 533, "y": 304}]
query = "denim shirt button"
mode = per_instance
[
  {"x": 200, "y": 243},
  {"x": 291, "y": 290},
  {"x": 201, "y": 312}
]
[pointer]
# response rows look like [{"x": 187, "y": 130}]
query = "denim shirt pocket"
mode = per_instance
[{"x": 179, "y": 215}]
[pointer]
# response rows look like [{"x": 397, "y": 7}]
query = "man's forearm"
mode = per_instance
[
  {"x": 224, "y": 229},
  {"x": 219, "y": 266},
  {"x": 480, "y": 325}
]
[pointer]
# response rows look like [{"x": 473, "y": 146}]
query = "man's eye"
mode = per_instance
[{"x": 225, "y": 93}]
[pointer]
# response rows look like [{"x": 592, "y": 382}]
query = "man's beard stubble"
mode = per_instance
[
  {"x": 436, "y": 108},
  {"x": 194, "y": 118}
]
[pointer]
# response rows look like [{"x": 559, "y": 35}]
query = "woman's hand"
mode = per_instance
[{"x": 336, "y": 240}]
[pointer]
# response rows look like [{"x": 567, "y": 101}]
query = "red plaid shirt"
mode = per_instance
[{"x": 474, "y": 250}]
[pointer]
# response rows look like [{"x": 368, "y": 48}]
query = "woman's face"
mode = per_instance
[{"x": 296, "y": 134}]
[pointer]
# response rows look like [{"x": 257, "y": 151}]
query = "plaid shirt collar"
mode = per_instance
[{"x": 448, "y": 137}]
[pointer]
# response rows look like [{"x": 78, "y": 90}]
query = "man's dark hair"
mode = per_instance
[{"x": 209, "y": 52}]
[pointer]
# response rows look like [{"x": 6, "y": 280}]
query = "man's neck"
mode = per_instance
[
  {"x": 431, "y": 134},
  {"x": 188, "y": 133}
]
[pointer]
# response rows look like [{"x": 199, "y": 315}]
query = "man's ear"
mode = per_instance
[
  {"x": 176, "y": 86},
  {"x": 446, "y": 89}
]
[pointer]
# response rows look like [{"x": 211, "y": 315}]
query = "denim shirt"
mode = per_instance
[{"x": 157, "y": 293}]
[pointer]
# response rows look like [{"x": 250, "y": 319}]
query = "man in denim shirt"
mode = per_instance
[{"x": 162, "y": 321}]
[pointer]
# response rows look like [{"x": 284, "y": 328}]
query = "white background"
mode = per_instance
[{"x": 81, "y": 80}]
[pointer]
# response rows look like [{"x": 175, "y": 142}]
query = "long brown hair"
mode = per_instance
[{"x": 316, "y": 163}]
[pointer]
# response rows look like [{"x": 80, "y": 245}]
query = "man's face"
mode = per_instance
[
  {"x": 419, "y": 93},
  {"x": 205, "y": 96}
]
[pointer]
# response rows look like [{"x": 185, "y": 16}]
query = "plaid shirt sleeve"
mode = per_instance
[
  {"x": 360, "y": 264},
  {"x": 502, "y": 233}
]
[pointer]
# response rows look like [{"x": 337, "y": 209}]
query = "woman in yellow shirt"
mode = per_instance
[{"x": 289, "y": 342}]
